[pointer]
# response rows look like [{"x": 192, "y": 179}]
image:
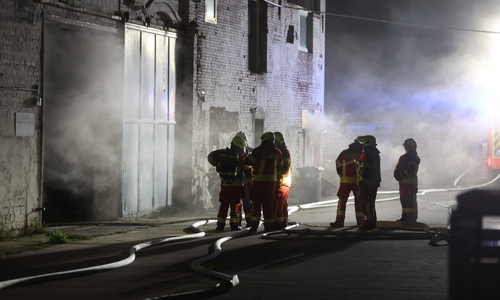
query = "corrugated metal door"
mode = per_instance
[{"x": 149, "y": 116}]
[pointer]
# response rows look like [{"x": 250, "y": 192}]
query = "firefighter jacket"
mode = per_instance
[
  {"x": 286, "y": 171},
  {"x": 267, "y": 162},
  {"x": 346, "y": 166},
  {"x": 231, "y": 166},
  {"x": 407, "y": 168},
  {"x": 369, "y": 167}
]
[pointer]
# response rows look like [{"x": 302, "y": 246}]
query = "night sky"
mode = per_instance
[{"x": 378, "y": 71}]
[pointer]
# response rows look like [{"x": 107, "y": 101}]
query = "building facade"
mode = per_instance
[{"x": 110, "y": 108}]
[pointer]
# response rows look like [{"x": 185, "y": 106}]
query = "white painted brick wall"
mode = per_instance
[{"x": 220, "y": 70}]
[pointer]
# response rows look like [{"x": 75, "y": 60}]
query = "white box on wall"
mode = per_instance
[{"x": 25, "y": 124}]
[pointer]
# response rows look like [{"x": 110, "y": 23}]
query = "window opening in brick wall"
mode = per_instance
[
  {"x": 257, "y": 36},
  {"x": 211, "y": 11},
  {"x": 279, "y": 9},
  {"x": 290, "y": 35},
  {"x": 305, "y": 31}
]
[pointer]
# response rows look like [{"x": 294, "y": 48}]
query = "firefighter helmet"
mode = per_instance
[
  {"x": 278, "y": 136},
  {"x": 368, "y": 140},
  {"x": 267, "y": 136},
  {"x": 411, "y": 143},
  {"x": 241, "y": 134},
  {"x": 238, "y": 141}
]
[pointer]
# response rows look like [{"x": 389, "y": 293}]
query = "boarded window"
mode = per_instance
[{"x": 305, "y": 31}]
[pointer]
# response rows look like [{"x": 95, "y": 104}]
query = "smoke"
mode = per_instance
[
  {"x": 432, "y": 84},
  {"x": 83, "y": 86},
  {"x": 82, "y": 105}
]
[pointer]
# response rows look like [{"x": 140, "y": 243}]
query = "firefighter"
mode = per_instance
[
  {"x": 406, "y": 173},
  {"x": 267, "y": 162},
  {"x": 230, "y": 166},
  {"x": 281, "y": 205},
  {"x": 247, "y": 186},
  {"x": 346, "y": 169},
  {"x": 369, "y": 180}
]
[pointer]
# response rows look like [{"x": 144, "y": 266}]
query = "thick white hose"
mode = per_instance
[{"x": 109, "y": 266}]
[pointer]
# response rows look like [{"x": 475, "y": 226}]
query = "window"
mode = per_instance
[
  {"x": 305, "y": 31},
  {"x": 211, "y": 11},
  {"x": 290, "y": 37},
  {"x": 257, "y": 36},
  {"x": 313, "y": 5}
]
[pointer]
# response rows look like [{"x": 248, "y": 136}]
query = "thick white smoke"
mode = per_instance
[{"x": 434, "y": 84}]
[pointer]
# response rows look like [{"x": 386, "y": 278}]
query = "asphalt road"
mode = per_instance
[{"x": 311, "y": 261}]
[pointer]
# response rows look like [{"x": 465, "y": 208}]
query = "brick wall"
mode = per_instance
[
  {"x": 212, "y": 76},
  {"x": 294, "y": 80},
  {"x": 21, "y": 29}
]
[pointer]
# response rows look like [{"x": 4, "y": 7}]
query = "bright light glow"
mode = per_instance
[{"x": 487, "y": 73}]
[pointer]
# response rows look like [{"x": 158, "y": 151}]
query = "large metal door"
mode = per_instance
[{"x": 149, "y": 116}]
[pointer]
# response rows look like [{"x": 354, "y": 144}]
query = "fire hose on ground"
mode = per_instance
[{"x": 228, "y": 281}]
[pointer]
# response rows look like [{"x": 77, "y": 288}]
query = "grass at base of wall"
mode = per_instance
[{"x": 15, "y": 245}]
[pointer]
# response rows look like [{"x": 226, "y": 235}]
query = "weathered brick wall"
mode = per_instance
[
  {"x": 21, "y": 29},
  {"x": 19, "y": 80},
  {"x": 294, "y": 80},
  {"x": 213, "y": 76}
]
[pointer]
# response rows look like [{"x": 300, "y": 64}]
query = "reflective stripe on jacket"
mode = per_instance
[
  {"x": 346, "y": 166},
  {"x": 267, "y": 163}
]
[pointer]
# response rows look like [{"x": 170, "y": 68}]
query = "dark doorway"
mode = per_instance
[{"x": 83, "y": 83}]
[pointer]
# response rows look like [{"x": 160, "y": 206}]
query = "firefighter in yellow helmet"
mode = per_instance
[
  {"x": 231, "y": 166},
  {"x": 369, "y": 180},
  {"x": 267, "y": 163},
  {"x": 406, "y": 174},
  {"x": 281, "y": 205}
]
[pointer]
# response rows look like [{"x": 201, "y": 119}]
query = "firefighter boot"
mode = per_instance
[
  {"x": 368, "y": 225},
  {"x": 337, "y": 224}
]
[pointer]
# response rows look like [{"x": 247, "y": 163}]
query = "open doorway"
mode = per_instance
[{"x": 82, "y": 121}]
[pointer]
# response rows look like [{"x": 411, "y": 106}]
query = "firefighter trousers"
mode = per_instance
[
  {"x": 229, "y": 197},
  {"x": 368, "y": 194},
  {"x": 281, "y": 208},
  {"x": 408, "y": 198},
  {"x": 343, "y": 194},
  {"x": 263, "y": 197}
]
